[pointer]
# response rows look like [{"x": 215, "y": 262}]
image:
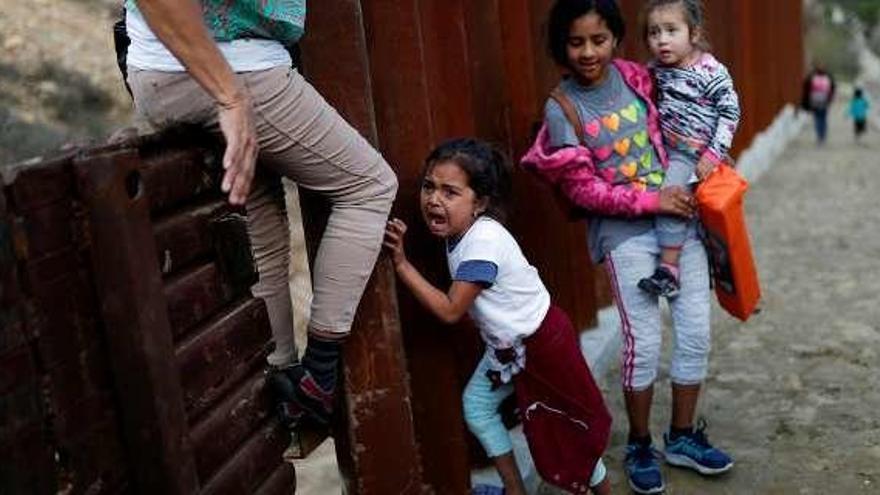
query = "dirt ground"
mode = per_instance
[
  {"x": 793, "y": 394},
  {"x": 58, "y": 76}
]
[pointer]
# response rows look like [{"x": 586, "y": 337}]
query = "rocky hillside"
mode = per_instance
[{"x": 58, "y": 77}]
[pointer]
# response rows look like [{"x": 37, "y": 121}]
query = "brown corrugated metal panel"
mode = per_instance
[
  {"x": 129, "y": 285},
  {"x": 555, "y": 244},
  {"x": 376, "y": 440},
  {"x": 421, "y": 95},
  {"x": 26, "y": 464},
  {"x": 408, "y": 74},
  {"x": 76, "y": 414}
]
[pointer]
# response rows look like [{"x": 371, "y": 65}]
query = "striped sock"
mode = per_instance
[{"x": 321, "y": 359}]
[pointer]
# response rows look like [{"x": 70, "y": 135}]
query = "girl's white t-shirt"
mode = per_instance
[{"x": 516, "y": 303}]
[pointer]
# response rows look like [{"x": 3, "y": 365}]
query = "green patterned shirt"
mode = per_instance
[{"x": 279, "y": 20}]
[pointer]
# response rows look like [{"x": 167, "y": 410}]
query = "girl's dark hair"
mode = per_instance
[
  {"x": 488, "y": 170},
  {"x": 693, "y": 15},
  {"x": 564, "y": 12}
]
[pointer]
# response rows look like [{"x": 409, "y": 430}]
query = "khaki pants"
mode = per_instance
[{"x": 303, "y": 138}]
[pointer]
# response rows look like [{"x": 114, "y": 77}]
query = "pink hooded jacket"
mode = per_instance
[{"x": 573, "y": 169}]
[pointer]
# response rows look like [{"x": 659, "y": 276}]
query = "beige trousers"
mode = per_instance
[{"x": 303, "y": 138}]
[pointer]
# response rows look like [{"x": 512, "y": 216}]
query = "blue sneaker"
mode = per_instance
[
  {"x": 642, "y": 469},
  {"x": 487, "y": 490},
  {"x": 695, "y": 452}
]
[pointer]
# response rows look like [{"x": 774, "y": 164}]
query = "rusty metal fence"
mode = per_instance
[{"x": 130, "y": 352}]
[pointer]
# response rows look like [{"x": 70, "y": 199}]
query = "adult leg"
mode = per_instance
[
  {"x": 480, "y": 403},
  {"x": 167, "y": 98},
  {"x": 303, "y": 138},
  {"x": 163, "y": 99}
]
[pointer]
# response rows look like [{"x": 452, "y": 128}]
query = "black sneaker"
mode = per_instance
[
  {"x": 662, "y": 284},
  {"x": 282, "y": 392},
  {"x": 298, "y": 397},
  {"x": 309, "y": 396}
]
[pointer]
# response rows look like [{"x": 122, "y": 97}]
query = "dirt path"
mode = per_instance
[
  {"x": 58, "y": 76},
  {"x": 794, "y": 394}
]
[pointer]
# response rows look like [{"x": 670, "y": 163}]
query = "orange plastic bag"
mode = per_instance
[{"x": 720, "y": 203}]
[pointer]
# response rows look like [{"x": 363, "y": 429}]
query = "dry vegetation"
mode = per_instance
[{"x": 58, "y": 77}]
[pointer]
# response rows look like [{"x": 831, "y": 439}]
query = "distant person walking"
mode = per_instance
[
  {"x": 858, "y": 110},
  {"x": 818, "y": 94}
]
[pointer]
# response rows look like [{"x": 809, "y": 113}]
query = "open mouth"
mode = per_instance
[{"x": 435, "y": 220}]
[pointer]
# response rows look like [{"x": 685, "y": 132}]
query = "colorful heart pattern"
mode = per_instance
[
  {"x": 593, "y": 129},
  {"x": 641, "y": 138},
  {"x": 639, "y": 184},
  {"x": 603, "y": 153},
  {"x": 611, "y": 122},
  {"x": 647, "y": 160},
  {"x": 629, "y": 169},
  {"x": 655, "y": 178},
  {"x": 631, "y": 113},
  {"x": 622, "y": 146}
]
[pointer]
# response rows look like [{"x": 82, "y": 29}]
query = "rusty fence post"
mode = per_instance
[{"x": 136, "y": 322}]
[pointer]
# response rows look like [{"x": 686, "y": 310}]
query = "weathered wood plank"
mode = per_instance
[
  {"x": 26, "y": 465},
  {"x": 281, "y": 482},
  {"x": 194, "y": 296},
  {"x": 32, "y": 185},
  {"x": 16, "y": 366},
  {"x": 64, "y": 317},
  {"x": 47, "y": 229},
  {"x": 135, "y": 314},
  {"x": 184, "y": 236},
  {"x": 11, "y": 329},
  {"x": 89, "y": 374},
  {"x": 228, "y": 425},
  {"x": 95, "y": 458},
  {"x": 252, "y": 464},
  {"x": 175, "y": 176},
  {"x": 49, "y": 268},
  {"x": 221, "y": 353},
  {"x": 21, "y": 409}
]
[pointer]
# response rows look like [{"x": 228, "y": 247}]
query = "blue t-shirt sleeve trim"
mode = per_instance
[{"x": 477, "y": 271}]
